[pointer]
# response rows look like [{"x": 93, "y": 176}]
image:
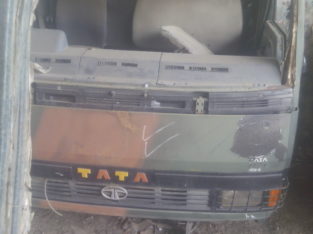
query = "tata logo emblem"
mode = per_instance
[{"x": 114, "y": 193}]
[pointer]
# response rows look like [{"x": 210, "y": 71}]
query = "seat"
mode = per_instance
[
  {"x": 83, "y": 21},
  {"x": 119, "y": 22},
  {"x": 215, "y": 23}
]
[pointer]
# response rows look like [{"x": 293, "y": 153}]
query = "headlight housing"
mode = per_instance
[{"x": 236, "y": 200}]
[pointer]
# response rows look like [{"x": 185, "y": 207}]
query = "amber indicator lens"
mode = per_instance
[{"x": 273, "y": 198}]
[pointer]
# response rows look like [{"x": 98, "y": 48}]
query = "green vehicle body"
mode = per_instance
[{"x": 180, "y": 151}]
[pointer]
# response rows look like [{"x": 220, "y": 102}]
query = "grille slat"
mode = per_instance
[{"x": 140, "y": 197}]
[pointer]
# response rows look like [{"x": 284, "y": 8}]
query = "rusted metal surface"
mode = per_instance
[
  {"x": 291, "y": 59},
  {"x": 91, "y": 209},
  {"x": 91, "y": 137}
]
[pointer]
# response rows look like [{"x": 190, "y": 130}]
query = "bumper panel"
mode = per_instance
[
  {"x": 155, "y": 199},
  {"x": 152, "y": 214}
]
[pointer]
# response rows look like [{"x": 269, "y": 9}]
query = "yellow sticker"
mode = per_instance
[
  {"x": 121, "y": 175},
  {"x": 84, "y": 172}
]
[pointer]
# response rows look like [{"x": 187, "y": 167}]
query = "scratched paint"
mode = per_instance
[
  {"x": 146, "y": 139},
  {"x": 156, "y": 141}
]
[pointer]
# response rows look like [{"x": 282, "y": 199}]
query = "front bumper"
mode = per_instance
[
  {"x": 151, "y": 214},
  {"x": 181, "y": 196}
]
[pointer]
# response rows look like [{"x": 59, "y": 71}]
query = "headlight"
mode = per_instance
[
  {"x": 231, "y": 198},
  {"x": 250, "y": 200}
]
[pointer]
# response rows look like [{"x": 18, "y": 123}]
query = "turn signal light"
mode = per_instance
[{"x": 273, "y": 198}]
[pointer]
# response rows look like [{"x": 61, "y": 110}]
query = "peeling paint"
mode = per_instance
[{"x": 260, "y": 136}]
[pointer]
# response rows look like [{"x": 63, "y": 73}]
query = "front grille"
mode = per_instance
[
  {"x": 215, "y": 103},
  {"x": 113, "y": 99},
  {"x": 145, "y": 197},
  {"x": 139, "y": 197},
  {"x": 255, "y": 102}
]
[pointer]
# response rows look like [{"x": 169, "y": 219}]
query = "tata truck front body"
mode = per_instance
[{"x": 183, "y": 110}]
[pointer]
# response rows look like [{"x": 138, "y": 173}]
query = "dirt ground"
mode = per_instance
[{"x": 295, "y": 217}]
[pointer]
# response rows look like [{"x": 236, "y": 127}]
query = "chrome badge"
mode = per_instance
[{"x": 114, "y": 193}]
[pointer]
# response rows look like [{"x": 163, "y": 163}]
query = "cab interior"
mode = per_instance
[{"x": 219, "y": 27}]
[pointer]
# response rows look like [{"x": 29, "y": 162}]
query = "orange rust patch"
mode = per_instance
[
  {"x": 126, "y": 122},
  {"x": 92, "y": 137},
  {"x": 74, "y": 207}
]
